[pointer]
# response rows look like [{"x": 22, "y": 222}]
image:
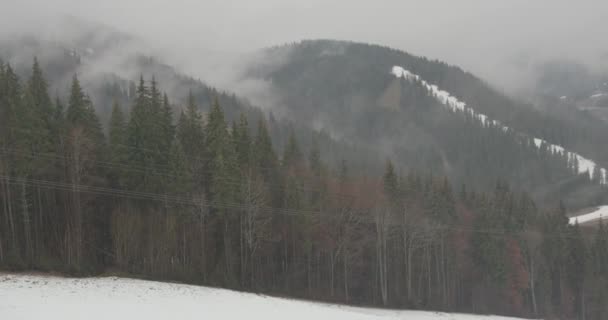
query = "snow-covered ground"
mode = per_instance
[
  {"x": 50, "y": 297},
  {"x": 597, "y": 214},
  {"x": 585, "y": 166}
]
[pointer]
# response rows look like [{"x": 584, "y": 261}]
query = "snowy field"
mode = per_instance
[{"x": 50, "y": 297}]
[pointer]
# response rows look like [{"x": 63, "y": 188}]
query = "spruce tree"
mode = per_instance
[
  {"x": 265, "y": 157},
  {"x": 243, "y": 143},
  {"x": 292, "y": 156},
  {"x": 117, "y": 143},
  {"x": 77, "y": 106},
  {"x": 142, "y": 150},
  {"x": 314, "y": 158},
  {"x": 191, "y": 137},
  {"x": 391, "y": 184},
  {"x": 38, "y": 88},
  {"x": 221, "y": 157}
]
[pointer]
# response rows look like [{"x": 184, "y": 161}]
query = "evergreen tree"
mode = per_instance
[
  {"x": 181, "y": 177},
  {"x": 117, "y": 138},
  {"x": 221, "y": 157},
  {"x": 314, "y": 158},
  {"x": 142, "y": 147},
  {"x": 244, "y": 143},
  {"x": 77, "y": 106},
  {"x": 391, "y": 184},
  {"x": 191, "y": 136},
  {"x": 599, "y": 250},
  {"x": 292, "y": 156},
  {"x": 576, "y": 266},
  {"x": 265, "y": 157},
  {"x": 38, "y": 89}
]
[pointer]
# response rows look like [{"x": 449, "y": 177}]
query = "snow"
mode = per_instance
[
  {"x": 49, "y": 297},
  {"x": 443, "y": 96},
  {"x": 585, "y": 166},
  {"x": 597, "y": 214}
]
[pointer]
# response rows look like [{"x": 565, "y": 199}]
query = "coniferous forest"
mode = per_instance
[{"x": 200, "y": 198}]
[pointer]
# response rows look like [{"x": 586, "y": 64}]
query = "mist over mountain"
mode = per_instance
[
  {"x": 343, "y": 89},
  {"x": 331, "y": 170}
]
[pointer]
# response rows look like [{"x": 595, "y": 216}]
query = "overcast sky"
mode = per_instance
[{"x": 480, "y": 35}]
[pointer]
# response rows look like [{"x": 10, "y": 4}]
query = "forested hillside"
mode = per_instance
[
  {"x": 168, "y": 192},
  {"x": 347, "y": 89}
]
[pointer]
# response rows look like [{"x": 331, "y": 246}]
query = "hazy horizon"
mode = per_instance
[{"x": 499, "y": 41}]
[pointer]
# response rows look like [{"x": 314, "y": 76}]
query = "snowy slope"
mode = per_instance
[
  {"x": 585, "y": 166},
  {"x": 597, "y": 214},
  {"x": 49, "y": 297}
]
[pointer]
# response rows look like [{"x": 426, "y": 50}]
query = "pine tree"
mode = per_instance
[
  {"x": 191, "y": 136},
  {"x": 314, "y": 158},
  {"x": 190, "y": 129},
  {"x": 221, "y": 156},
  {"x": 243, "y": 143},
  {"x": 77, "y": 106},
  {"x": 576, "y": 265},
  {"x": 391, "y": 184},
  {"x": 265, "y": 157},
  {"x": 39, "y": 91},
  {"x": 117, "y": 140},
  {"x": 181, "y": 177},
  {"x": 599, "y": 250},
  {"x": 142, "y": 148},
  {"x": 292, "y": 156},
  {"x": 223, "y": 183},
  {"x": 84, "y": 149},
  {"x": 166, "y": 125}
]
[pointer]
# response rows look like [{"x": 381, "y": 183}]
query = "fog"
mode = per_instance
[{"x": 500, "y": 41}]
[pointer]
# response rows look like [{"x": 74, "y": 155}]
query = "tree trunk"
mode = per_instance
[
  {"x": 381, "y": 254},
  {"x": 532, "y": 287},
  {"x": 345, "y": 270},
  {"x": 202, "y": 237},
  {"x": 11, "y": 218},
  {"x": 331, "y": 271},
  {"x": 26, "y": 223},
  {"x": 227, "y": 250},
  {"x": 39, "y": 229}
]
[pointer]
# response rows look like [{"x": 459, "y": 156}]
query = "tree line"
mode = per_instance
[{"x": 166, "y": 192}]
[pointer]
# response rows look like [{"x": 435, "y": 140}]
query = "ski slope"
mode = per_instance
[
  {"x": 585, "y": 166},
  {"x": 600, "y": 213},
  {"x": 50, "y": 297}
]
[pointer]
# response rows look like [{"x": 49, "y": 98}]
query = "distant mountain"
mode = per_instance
[{"x": 347, "y": 89}]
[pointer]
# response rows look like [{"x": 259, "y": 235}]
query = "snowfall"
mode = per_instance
[
  {"x": 51, "y": 297},
  {"x": 585, "y": 166}
]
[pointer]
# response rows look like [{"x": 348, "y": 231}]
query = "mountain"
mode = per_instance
[{"x": 348, "y": 90}]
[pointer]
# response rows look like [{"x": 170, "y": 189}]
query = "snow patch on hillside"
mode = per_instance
[
  {"x": 48, "y": 297},
  {"x": 585, "y": 166},
  {"x": 600, "y": 213}
]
